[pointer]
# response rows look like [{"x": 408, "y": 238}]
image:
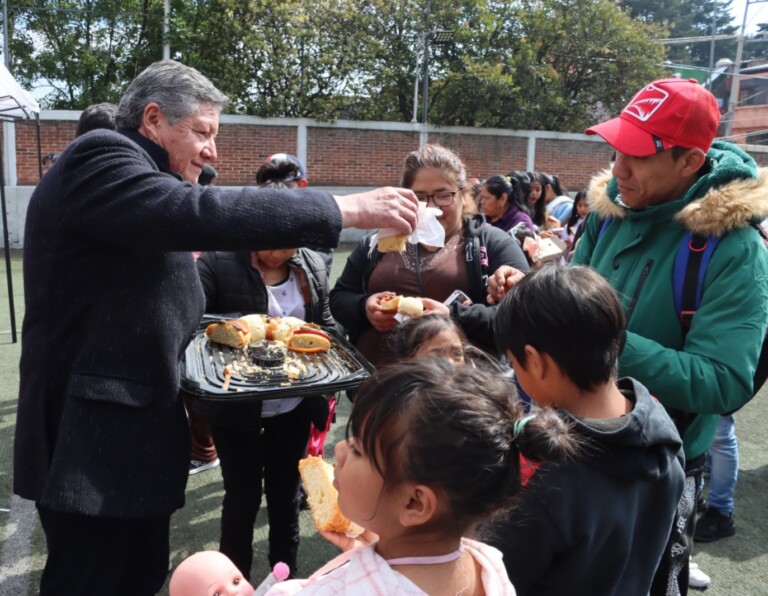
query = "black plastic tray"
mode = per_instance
[{"x": 202, "y": 372}]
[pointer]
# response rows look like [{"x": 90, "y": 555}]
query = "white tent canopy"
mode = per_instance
[{"x": 15, "y": 102}]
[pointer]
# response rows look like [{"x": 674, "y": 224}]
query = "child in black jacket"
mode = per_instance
[{"x": 597, "y": 525}]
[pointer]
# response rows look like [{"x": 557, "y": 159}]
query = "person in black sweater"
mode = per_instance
[{"x": 112, "y": 299}]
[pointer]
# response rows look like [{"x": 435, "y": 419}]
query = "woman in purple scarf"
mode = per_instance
[{"x": 503, "y": 203}]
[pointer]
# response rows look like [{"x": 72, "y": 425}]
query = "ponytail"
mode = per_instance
[
  {"x": 546, "y": 437},
  {"x": 453, "y": 428},
  {"x": 279, "y": 174}
]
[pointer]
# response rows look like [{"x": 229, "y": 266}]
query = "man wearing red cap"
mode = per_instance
[{"x": 670, "y": 178}]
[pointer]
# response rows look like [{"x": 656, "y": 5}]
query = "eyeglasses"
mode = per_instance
[{"x": 441, "y": 199}]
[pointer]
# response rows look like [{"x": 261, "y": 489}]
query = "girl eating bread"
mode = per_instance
[{"x": 431, "y": 451}]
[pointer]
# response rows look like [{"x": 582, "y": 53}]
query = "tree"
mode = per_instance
[
  {"x": 84, "y": 51},
  {"x": 756, "y": 46},
  {"x": 276, "y": 58},
  {"x": 541, "y": 64},
  {"x": 546, "y": 65},
  {"x": 682, "y": 19}
]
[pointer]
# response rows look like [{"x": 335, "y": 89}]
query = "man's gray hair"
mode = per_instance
[{"x": 179, "y": 90}]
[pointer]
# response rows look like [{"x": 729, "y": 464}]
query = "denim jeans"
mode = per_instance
[{"x": 723, "y": 461}]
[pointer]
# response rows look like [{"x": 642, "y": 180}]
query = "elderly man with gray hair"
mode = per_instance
[{"x": 112, "y": 299}]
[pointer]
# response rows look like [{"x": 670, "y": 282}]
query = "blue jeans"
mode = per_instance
[{"x": 723, "y": 466}]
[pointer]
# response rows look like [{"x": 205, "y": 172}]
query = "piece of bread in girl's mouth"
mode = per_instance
[{"x": 317, "y": 476}]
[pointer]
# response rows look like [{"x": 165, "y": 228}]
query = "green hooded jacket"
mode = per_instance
[{"x": 708, "y": 371}]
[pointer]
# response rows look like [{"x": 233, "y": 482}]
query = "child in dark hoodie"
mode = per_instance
[{"x": 597, "y": 525}]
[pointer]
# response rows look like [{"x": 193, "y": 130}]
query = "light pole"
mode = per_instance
[
  {"x": 416, "y": 77},
  {"x": 166, "y": 30}
]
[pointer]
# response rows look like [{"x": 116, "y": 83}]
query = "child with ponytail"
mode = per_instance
[{"x": 432, "y": 449}]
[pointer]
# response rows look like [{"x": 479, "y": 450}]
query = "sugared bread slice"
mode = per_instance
[
  {"x": 235, "y": 334},
  {"x": 317, "y": 475}
]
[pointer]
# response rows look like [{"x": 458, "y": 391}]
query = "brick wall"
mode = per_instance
[
  {"x": 356, "y": 153},
  {"x": 242, "y": 148},
  {"x": 486, "y": 156},
  {"x": 355, "y": 157}
]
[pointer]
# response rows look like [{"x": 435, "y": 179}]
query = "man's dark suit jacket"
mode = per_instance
[{"x": 112, "y": 297}]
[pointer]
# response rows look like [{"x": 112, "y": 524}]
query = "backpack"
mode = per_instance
[{"x": 690, "y": 268}]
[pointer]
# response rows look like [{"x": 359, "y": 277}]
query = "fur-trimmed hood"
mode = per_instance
[{"x": 733, "y": 194}]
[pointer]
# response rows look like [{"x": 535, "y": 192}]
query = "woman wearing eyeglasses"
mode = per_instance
[{"x": 472, "y": 251}]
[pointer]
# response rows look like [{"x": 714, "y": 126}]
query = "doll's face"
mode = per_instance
[
  {"x": 210, "y": 573},
  {"x": 231, "y": 584}
]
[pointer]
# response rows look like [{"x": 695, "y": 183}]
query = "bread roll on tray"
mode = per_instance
[
  {"x": 235, "y": 334},
  {"x": 309, "y": 341}
]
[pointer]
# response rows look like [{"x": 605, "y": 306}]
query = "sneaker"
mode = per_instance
[
  {"x": 713, "y": 525},
  {"x": 696, "y": 577},
  {"x": 196, "y": 466}
]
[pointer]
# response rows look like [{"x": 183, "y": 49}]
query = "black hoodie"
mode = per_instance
[{"x": 598, "y": 525}]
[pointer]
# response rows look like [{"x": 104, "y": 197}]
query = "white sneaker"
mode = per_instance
[
  {"x": 196, "y": 466},
  {"x": 696, "y": 577}
]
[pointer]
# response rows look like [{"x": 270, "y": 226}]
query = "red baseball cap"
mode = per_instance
[{"x": 664, "y": 114}]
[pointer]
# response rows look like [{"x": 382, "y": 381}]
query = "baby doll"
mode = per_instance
[{"x": 208, "y": 573}]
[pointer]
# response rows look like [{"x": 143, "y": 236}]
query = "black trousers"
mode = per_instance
[
  {"x": 99, "y": 555},
  {"x": 269, "y": 454}
]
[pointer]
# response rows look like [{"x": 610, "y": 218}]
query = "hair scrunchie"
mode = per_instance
[{"x": 520, "y": 424}]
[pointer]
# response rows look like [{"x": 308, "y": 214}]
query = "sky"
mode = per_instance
[{"x": 757, "y": 13}]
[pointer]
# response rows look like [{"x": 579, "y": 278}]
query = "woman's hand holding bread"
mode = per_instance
[{"x": 382, "y": 320}]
